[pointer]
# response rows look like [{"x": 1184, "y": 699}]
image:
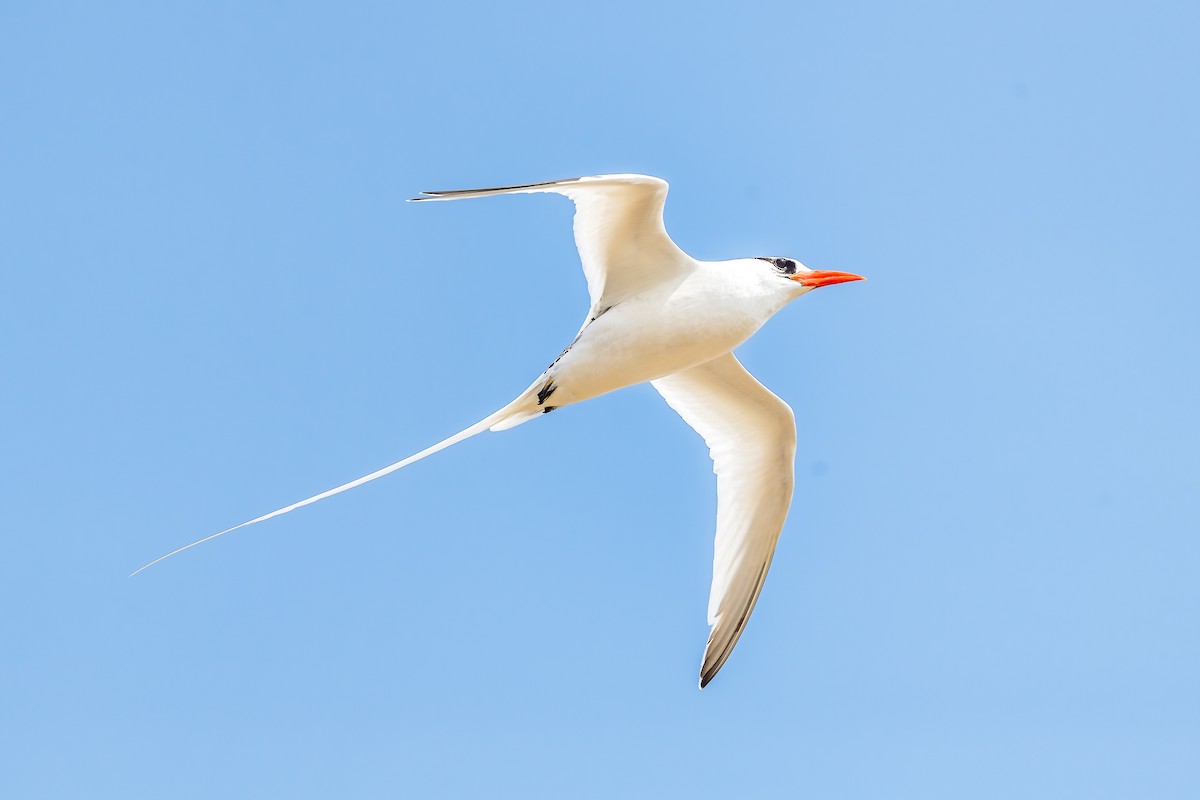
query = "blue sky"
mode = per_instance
[{"x": 215, "y": 302}]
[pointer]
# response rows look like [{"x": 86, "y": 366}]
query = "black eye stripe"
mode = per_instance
[{"x": 785, "y": 266}]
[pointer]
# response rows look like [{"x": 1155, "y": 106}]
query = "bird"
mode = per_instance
[{"x": 658, "y": 315}]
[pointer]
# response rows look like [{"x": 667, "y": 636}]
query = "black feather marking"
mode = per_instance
[
  {"x": 579, "y": 336},
  {"x": 565, "y": 351},
  {"x": 452, "y": 192},
  {"x": 548, "y": 409},
  {"x": 546, "y": 391},
  {"x": 708, "y": 674}
]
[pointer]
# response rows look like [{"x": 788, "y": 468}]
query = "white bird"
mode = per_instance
[{"x": 659, "y": 315}]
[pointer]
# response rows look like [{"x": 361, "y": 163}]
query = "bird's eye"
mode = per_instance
[{"x": 785, "y": 266}]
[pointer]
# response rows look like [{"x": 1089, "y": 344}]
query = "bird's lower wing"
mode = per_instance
[
  {"x": 751, "y": 435},
  {"x": 619, "y": 231}
]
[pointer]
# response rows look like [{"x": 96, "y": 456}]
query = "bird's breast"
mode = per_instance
[{"x": 650, "y": 337}]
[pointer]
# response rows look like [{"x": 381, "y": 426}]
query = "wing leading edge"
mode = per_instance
[
  {"x": 619, "y": 231},
  {"x": 751, "y": 435}
]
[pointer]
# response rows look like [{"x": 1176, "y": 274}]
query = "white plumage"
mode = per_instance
[{"x": 659, "y": 315}]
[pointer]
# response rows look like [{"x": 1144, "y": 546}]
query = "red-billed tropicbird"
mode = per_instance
[{"x": 659, "y": 315}]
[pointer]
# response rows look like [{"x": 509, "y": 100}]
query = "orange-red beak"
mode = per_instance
[{"x": 825, "y": 277}]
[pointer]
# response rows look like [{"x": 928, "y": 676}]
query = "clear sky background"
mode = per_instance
[{"x": 215, "y": 301}]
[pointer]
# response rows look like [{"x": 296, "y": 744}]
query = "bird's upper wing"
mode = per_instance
[
  {"x": 618, "y": 229},
  {"x": 751, "y": 436}
]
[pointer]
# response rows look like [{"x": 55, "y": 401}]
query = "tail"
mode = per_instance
[{"x": 512, "y": 414}]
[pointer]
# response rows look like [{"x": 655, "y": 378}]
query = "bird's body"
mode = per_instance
[
  {"x": 670, "y": 328},
  {"x": 659, "y": 316}
]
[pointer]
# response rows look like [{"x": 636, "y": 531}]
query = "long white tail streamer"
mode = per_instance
[{"x": 478, "y": 427}]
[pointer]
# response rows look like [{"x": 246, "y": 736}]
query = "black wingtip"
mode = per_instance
[{"x": 708, "y": 672}]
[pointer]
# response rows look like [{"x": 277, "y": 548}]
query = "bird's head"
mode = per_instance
[{"x": 800, "y": 278}]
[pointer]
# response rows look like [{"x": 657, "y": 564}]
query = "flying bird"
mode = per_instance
[{"x": 659, "y": 315}]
